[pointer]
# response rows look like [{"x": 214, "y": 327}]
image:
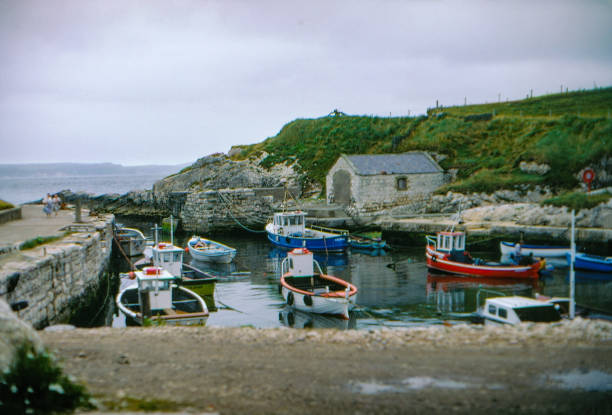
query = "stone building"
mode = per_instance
[{"x": 374, "y": 182}]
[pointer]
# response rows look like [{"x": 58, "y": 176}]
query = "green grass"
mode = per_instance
[
  {"x": 130, "y": 404},
  {"x": 5, "y": 205},
  {"x": 39, "y": 240},
  {"x": 35, "y": 384},
  {"x": 578, "y": 200},
  {"x": 590, "y": 103}
]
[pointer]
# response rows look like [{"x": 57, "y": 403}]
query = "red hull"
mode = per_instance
[{"x": 436, "y": 260}]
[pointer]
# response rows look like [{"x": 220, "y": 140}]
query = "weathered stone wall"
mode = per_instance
[
  {"x": 8, "y": 215},
  {"x": 381, "y": 192},
  {"x": 214, "y": 210},
  {"x": 52, "y": 276},
  {"x": 377, "y": 192}
]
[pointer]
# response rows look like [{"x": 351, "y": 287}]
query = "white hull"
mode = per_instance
[
  {"x": 137, "y": 317},
  {"x": 320, "y": 305},
  {"x": 217, "y": 253},
  {"x": 538, "y": 252}
]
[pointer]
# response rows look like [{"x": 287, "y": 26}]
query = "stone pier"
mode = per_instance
[{"x": 51, "y": 276}]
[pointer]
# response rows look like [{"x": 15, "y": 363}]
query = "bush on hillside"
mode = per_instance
[
  {"x": 5, "y": 205},
  {"x": 578, "y": 200}
]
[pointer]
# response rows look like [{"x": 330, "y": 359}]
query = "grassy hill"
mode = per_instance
[{"x": 485, "y": 143}]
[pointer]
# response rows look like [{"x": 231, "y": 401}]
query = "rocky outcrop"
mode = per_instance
[
  {"x": 218, "y": 171},
  {"x": 13, "y": 333}
]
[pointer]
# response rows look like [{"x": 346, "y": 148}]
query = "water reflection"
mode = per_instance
[{"x": 298, "y": 319}]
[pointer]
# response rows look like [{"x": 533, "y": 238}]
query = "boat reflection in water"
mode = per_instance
[
  {"x": 457, "y": 294},
  {"x": 301, "y": 320}
]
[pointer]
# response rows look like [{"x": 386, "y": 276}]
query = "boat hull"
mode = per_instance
[
  {"x": 318, "y": 300},
  {"x": 594, "y": 263},
  {"x": 508, "y": 248},
  {"x": 437, "y": 262},
  {"x": 217, "y": 253},
  {"x": 332, "y": 243}
]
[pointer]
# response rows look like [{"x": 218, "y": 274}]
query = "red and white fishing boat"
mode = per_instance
[
  {"x": 446, "y": 252},
  {"x": 310, "y": 290}
]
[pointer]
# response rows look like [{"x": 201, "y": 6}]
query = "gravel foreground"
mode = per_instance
[{"x": 532, "y": 368}]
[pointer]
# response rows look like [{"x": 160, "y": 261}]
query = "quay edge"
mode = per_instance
[{"x": 54, "y": 277}]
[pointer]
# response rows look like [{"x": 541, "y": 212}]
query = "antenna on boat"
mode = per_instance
[
  {"x": 572, "y": 277},
  {"x": 156, "y": 228},
  {"x": 171, "y": 231}
]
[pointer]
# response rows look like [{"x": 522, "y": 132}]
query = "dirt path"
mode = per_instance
[{"x": 434, "y": 370}]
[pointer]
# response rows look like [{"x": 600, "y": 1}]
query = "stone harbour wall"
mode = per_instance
[
  {"x": 222, "y": 210},
  {"x": 54, "y": 275}
]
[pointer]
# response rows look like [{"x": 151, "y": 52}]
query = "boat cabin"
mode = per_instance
[
  {"x": 450, "y": 242},
  {"x": 155, "y": 288},
  {"x": 515, "y": 310},
  {"x": 289, "y": 223},
  {"x": 300, "y": 263},
  {"x": 168, "y": 257}
]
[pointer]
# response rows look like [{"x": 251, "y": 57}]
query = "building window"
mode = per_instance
[{"x": 401, "y": 183}]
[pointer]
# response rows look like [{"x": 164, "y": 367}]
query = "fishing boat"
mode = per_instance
[
  {"x": 446, "y": 252},
  {"x": 539, "y": 251},
  {"x": 207, "y": 250},
  {"x": 131, "y": 241},
  {"x": 288, "y": 230},
  {"x": 170, "y": 258},
  {"x": 154, "y": 296},
  {"x": 306, "y": 288},
  {"x": 588, "y": 262}
]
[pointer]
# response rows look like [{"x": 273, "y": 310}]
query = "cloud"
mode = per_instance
[{"x": 205, "y": 75}]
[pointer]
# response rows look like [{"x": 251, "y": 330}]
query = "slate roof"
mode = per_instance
[{"x": 406, "y": 163}]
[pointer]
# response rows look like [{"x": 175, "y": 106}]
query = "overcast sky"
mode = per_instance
[{"x": 167, "y": 82}]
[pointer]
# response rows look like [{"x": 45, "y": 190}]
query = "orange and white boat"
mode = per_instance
[
  {"x": 446, "y": 252},
  {"x": 306, "y": 288}
]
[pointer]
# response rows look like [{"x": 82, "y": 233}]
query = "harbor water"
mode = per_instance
[{"x": 395, "y": 287}]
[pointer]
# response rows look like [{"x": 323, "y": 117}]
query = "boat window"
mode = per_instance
[
  {"x": 492, "y": 309},
  {"x": 542, "y": 313},
  {"x": 502, "y": 312},
  {"x": 290, "y": 263},
  {"x": 446, "y": 242},
  {"x": 299, "y": 220},
  {"x": 177, "y": 256},
  {"x": 459, "y": 242}
]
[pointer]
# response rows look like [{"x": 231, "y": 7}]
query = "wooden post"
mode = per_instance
[
  {"x": 77, "y": 211},
  {"x": 572, "y": 310}
]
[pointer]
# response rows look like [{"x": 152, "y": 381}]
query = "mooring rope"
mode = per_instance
[{"x": 227, "y": 206}]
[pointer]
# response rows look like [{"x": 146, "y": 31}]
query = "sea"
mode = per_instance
[{"x": 19, "y": 190}]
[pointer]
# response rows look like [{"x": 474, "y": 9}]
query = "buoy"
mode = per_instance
[{"x": 131, "y": 275}]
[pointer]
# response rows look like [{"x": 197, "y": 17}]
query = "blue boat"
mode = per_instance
[
  {"x": 362, "y": 242},
  {"x": 288, "y": 230},
  {"x": 591, "y": 262}
]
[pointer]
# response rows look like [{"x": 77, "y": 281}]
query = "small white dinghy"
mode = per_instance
[
  {"x": 307, "y": 289},
  {"x": 207, "y": 250}
]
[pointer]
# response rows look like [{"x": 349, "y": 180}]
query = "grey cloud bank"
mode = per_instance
[{"x": 141, "y": 82}]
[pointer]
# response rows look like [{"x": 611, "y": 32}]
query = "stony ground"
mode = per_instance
[{"x": 536, "y": 368}]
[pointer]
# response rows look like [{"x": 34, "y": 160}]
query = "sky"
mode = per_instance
[{"x": 167, "y": 81}]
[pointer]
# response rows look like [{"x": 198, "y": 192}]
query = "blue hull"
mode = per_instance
[
  {"x": 592, "y": 263},
  {"x": 329, "y": 244}
]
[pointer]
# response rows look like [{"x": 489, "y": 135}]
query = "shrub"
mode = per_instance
[
  {"x": 5, "y": 205},
  {"x": 34, "y": 384},
  {"x": 39, "y": 240},
  {"x": 578, "y": 200}
]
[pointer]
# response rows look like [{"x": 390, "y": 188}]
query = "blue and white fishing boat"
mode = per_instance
[
  {"x": 288, "y": 230},
  {"x": 590, "y": 262},
  {"x": 538, "y": 251},
  {"x": 207, "y": 250}
]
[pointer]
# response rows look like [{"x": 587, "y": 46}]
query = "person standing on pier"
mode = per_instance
[
  {"x": 48, "y": 205},
  {"x": 56, "y": 203}
]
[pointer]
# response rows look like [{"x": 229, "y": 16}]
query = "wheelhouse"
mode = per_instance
[{"x": 287, "y": 223}]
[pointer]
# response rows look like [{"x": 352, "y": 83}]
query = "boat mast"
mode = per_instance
[{"x": 572, "y": 278}]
